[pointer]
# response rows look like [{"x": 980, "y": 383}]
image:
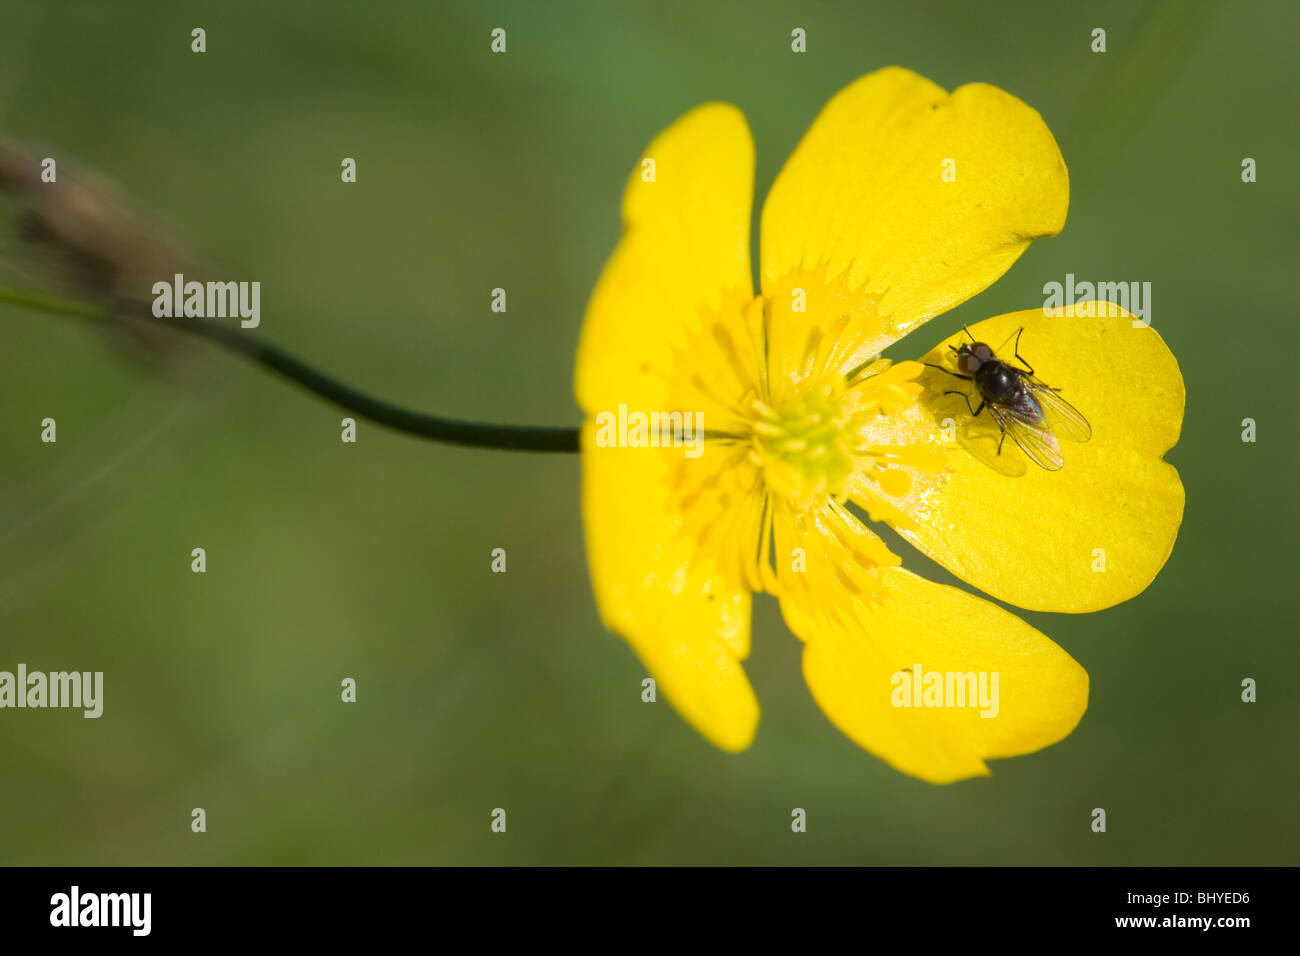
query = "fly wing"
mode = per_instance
[
  {"x": 1025, "y": 423},
  {"x": 1066, "y": 420}
]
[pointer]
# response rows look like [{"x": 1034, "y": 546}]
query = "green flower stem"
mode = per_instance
[{"x": 433, "y": 427}]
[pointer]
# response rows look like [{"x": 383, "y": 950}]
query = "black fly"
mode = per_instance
[{"x": 1030, "y": 411}]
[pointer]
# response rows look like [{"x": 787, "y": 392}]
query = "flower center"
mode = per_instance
[{"x": 807, "y": 443}]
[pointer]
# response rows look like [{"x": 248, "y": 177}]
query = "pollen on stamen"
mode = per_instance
[
  {"x": 810, "y": 441},
  {"x": 804, "y": 442}
]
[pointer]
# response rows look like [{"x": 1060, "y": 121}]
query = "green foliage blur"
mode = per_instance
[{"x": 480, "y": 690}]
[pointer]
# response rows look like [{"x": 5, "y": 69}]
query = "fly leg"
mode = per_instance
[
  {"x": 973, "y": 411},
  {"x": 1016, "y": 348},
  {"x": 964, "y": 378}
]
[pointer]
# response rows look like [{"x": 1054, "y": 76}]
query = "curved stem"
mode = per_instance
[{"x": 451, "y": 431}]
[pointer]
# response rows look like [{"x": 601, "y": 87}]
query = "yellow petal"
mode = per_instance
[
  {"x": 1041, "y": 692},
  {"x": 684, "y": 251},
  {"x": 854, "y": 665},
  {"x": 1082, "y": 538},
  {"x": 660, "y": 587},
  {"x": 862, "y": 218}
]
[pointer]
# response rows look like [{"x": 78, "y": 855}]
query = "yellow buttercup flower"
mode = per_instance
[{"x": 901, "y": 201}]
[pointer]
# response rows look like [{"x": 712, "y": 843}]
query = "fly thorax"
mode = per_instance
[{"x": 998, "y": 381}]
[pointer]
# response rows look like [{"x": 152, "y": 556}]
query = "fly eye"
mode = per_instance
[{"x": 983, "y": 352}]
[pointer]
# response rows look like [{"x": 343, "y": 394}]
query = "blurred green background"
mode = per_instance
[{"x": 480, "y": 690}]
